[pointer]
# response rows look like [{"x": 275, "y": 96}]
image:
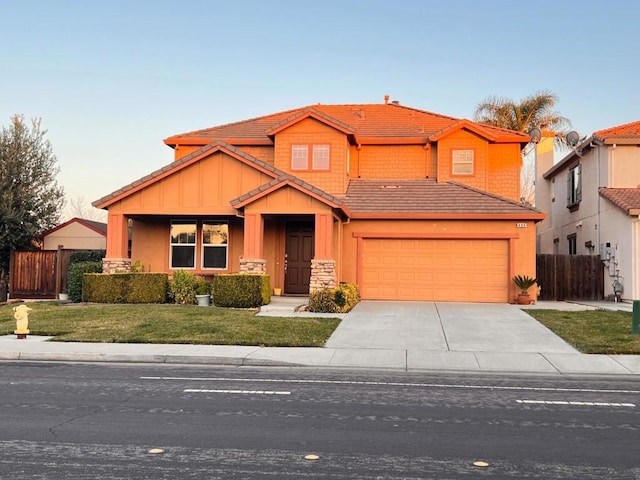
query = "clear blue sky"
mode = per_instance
[{"x": 111, "y": 79}]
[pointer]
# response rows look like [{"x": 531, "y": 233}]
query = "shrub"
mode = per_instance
[
  {"x": 125, "y": 288},
  {"x": 76, "y": 273},
  {"x": 241, "y": 290},
  {"x": 86, "y": 256},
  {"x": 203, "y": 287},
  {"x": 340, "y": 299},
  {"x": 182, "y": 287}
]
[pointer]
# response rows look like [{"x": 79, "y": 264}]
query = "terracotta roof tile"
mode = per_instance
[
  {"x": 367, "y": 121},
  {"x": 627, "y": 199},
  {"x": 628, "y": 130},
  {"x": 426, "y": 196},
  {"x": 177, "y": 164}
]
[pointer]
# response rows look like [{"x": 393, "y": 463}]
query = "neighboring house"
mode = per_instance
[
  {"x": 592, "y": 199},
  {"x": 76, "y": 234},
  {"x": 408, "y": 204}
]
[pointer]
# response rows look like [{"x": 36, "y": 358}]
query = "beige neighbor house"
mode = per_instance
[
  {"x": 76, "y": 234},
  {"x": 592, "y": 198}
]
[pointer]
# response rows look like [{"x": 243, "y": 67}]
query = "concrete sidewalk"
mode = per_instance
[{"x": 405, "y": 336}]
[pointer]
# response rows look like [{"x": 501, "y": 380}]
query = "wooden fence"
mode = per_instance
[
  {"x": 38, "y": 274},
  {"x": 570, "y": 277}
]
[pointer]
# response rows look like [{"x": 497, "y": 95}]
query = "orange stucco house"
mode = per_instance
[{"x": 408, "y": 204}]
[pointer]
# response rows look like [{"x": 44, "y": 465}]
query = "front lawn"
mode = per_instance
[
  {"x": 592, "y": 331},
  {"x": 168, "y": 324}
]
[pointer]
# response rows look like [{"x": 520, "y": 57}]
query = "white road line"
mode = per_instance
[
  {"x": 571, "y": 402},
  {"x": 237, "y": 392},
  {"x": 391, "y": 384}
]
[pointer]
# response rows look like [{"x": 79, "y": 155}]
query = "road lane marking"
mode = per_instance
[
  {"x": 390, "y": 384},
  {"x": 236, "y": 392},
  {"x": 571, "y": 402}
]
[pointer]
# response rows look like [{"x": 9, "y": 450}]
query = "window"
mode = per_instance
[
  {"x": 572, "y": 240},
  {"x": 300, "y": 157},
  {"x": 321, "y": 157},
  {"x": 574, "y": 186},
  {"x": 183, "y": 244},
  {"x": 215, "y": 238},
  {"x": 462, "y": 162}
]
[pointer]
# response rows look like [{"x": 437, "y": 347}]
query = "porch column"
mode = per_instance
[
  {"x": 117, "y": 259},
  {"x": 323, "y": 266},
  {"x": 252, "y": 260}
]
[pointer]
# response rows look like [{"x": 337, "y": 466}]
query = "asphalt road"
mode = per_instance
[{"x": 70, "y": 421}]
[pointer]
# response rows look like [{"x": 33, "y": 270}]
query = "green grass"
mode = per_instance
[
  {"x": 592, "y": 331},
  {"x": 168, "y": 324}
]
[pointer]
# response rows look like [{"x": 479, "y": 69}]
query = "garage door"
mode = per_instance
[{"x": 435, "y": 269}]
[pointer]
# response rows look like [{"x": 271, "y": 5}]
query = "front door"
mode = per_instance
[{"x": 298, "y": 255}]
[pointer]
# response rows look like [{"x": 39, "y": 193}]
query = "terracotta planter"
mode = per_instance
[{"x": 523, "y": 299}]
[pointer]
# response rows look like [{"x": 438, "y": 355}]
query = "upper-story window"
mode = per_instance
[
  {"x": 574, "y": 186},
  {"x": 462, "y": 162},
  {"x": 320, "y": 155}
]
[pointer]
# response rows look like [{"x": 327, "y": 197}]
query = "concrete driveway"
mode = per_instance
[{"x": 445, "y": 326}]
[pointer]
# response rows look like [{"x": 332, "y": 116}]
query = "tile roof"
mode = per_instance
[
  {"x": 426, "y": 196},
  {"x": 627, "y": 199},
  {"x": 367, "y": 121},
  {"x": 286, "y": 179},
  {"x": 176, "y": 165},
  {"x": 628, "y": 130}
]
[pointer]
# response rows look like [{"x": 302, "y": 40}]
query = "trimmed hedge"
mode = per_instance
[
  {"x": 340, "y": 299},
  {"x": 241, "y": 290},
  {"x": 125, "y": 288},
  {"x": 76, "y": 273}
]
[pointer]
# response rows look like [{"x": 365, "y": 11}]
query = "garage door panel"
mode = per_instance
[{"x": 435, "y": 269}]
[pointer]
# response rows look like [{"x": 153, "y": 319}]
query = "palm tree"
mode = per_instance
[{"x": 534, "y": 111}]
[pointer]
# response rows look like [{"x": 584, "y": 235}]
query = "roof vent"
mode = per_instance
[
  {"x": 386, "y": 99},
  {"x": 395, "y": 102},
  {"x": 390, "y": 186}
]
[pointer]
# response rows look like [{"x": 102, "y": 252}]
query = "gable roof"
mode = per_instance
[
  {"x": 182, "y": 163},
  {"x": 626, "y": 131},
  {"x": 283, "y": 181},
  {"x": 370, "y": 123},
  {"x": 426, "y": 198},
  {"x": 627, "y": 199},
  {"x": 98, "y": 227}
]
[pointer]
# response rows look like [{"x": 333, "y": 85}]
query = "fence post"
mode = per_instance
[{"x": 59, "y": 269}]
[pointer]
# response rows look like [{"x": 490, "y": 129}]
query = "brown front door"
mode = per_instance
[{"x": 298, "y": 255}]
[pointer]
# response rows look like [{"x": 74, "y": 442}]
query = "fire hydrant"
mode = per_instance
[{"x": 21, "y": 314}]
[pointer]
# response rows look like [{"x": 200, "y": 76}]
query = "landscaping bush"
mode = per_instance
[
  {"x": 340, "y": 299},
  {"x": 86, "y": 256},
  {"x": 125, "y": 288},
  {"x": 241, "y": 290},
  {"x": 183, "y": 287},
  {"x": 76, "y": 273}
]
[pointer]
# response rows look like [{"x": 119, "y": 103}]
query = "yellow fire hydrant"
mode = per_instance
[{"x": 21, "y": 314}]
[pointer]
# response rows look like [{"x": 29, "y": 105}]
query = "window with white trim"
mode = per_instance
[
  {"x": 299, "y": 157},
  {"x": 183, "y": 244},
  {"x": 320, "y": 157},
  {"x": 215, "y": 241},
  {"x": 462, "y": 162}
]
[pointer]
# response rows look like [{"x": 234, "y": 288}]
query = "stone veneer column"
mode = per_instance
[
  {"x": 116, "y": 265},
  {"x": 256, "y": 266},
  {"x": 323, "y": 274}
]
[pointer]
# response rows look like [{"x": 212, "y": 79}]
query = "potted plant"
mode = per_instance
[
  {"x": 203, "y": 293},
  {"x": 524, "y": 282}
]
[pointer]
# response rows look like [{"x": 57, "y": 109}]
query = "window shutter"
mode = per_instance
[
  {"x": 579, "y": 183},
  {"x": 569, "y": 186}
]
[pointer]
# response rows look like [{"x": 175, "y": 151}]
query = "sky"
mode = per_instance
[{"x": 110, "y": 79}]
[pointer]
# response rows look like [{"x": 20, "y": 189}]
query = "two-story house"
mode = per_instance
[
  {"x": 592, "y": 198},
  {"x": 408, "y": 204}
]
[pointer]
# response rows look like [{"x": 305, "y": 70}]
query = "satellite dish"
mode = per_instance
[
  {"x": 535, "y": 135},
  {"x": 573, "y": 138}
]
